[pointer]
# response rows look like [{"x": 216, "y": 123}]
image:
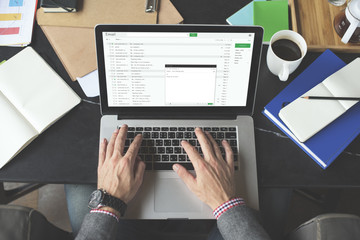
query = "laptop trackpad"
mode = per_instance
[{"x": 172, "y": 195}]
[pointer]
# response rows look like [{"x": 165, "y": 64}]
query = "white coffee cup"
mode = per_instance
[{"x": 281, "y": 67}]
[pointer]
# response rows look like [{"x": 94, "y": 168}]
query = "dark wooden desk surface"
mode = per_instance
[{"x": 67, "y": 151}]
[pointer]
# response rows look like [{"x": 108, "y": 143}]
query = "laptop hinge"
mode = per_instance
[{"x": 180, "y": 116}]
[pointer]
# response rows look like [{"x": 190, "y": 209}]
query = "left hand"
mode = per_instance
[{"x": 120, "y": 174}]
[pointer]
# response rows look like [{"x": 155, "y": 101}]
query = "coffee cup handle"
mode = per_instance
[
  {"x": 349, "y": 32},
  {"x": 284, "y": 74}
]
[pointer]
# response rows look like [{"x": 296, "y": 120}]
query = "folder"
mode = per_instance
[
  {"x": 75, "y": 46},
  {"x": 92, "y": 12},
  {"x": 326, "y": 145}
]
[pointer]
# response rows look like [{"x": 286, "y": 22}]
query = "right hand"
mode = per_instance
[{"x": 214, "y": 183}]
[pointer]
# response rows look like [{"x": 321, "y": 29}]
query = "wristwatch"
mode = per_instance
[{"x": 100, "y": 198}]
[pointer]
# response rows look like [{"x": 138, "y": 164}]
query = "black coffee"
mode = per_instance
[{"x": 286, "y": 49}]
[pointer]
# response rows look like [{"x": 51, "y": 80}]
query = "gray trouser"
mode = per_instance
[{"x": 77, "y": 197}]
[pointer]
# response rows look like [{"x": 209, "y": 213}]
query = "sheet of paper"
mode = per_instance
[
  {"x": 16, "y": 21},
  {"x": 90, "y": 84},
  {"x": 15, "y": 130},
  {"x": 35, "y": 89}
]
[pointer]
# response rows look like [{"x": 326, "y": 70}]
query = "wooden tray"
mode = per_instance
[{"x": 314, "y": 20}]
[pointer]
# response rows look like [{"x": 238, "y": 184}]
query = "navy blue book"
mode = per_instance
[{"x": 325, "y": 146}]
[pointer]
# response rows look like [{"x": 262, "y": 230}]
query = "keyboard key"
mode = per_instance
[
  {"x": 188, "y": 135},
  {"x": 165, "y": 158},
  {"x": 168, "y": 166},
  {"x": 232, "y": 129},
  {"x": 146, "y": 134},
  {"x": 148, "y": 129},
  {"x": 175, "y": 143},
  {"x": 156, "y": 158},
  {"x": 130, "y": 129},
  {"x": 150, "y": 142},
  {"x": 173, "y": 158},
  {"x": 181, "y": 129},
  {"x": 161, "y": 150},
  {"x": 177, "y": 150},
  {"x": 174, "y": 129},
  {"x": 180, "y": 135},
  {"x": 233, "y": 143},
  {"x": 156, "y": 129},
  {"x": 139, "y": 129},
  {"x": 163, "y": 135},
  {"x": 190, "y": 129},
  {"x": 152, "y": 150},
  {"x": 223, "y": 128},
  {"x": 169, "y": 150},
  {"x": 215, "y": 129},
  {"x": 192, "y": 142},
  {"x": 171, "y": 135},
  {"x": 220, "y": 135},
  {"x": 159, "y": 143},
  {"x": 165, "y": 129},
  {"x": 207, "y": 129},
  {"x": 230, "y": 135},
  {"x": 130, "y": 135},
  {"x": 167, "y": 142},
  {"x": 182, "y": 158},
  {"x": 154, "y": 135}
]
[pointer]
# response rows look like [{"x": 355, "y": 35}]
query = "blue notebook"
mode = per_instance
[{"x": 327, "y": 144}]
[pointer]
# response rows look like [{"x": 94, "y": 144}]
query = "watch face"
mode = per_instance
[{"x": 95, "y": 199}]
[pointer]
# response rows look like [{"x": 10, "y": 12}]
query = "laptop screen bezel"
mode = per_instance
[{"x": 183, "y": 112}]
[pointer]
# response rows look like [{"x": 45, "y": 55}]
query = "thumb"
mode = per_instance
[{"x": 185, "y": 176}]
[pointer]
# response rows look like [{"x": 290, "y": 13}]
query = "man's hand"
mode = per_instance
[
  {"x": 120, "y": 174},
  {"x": 214, "y": 182}
]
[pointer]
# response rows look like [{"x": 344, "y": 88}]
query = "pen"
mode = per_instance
[{"x": 333, "y": 98}]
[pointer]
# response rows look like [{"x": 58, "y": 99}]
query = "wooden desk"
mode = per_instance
[{"x": 67, "y": 151}]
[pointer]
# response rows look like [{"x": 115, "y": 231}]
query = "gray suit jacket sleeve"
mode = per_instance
[
  {"x": 240, "y": 223},
  {"x": 98, "y": 226}
]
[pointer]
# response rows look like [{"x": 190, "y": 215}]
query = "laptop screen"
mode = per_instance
[
  {"x": 177, "y": 68},
  {"x": 193, "y": 67}
]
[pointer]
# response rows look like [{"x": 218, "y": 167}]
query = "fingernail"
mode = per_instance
[
  {"x": 175, "y": 167},
  {"x": 116, "y": 130},
  {"x": 104, "y": 140}
]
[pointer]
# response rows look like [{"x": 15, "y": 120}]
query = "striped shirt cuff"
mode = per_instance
[
  {"x": 227, "y": 205},
  {"x": 105, "y": 212}
]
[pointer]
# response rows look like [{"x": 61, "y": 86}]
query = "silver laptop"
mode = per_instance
[{"x": 165, "y": 80}]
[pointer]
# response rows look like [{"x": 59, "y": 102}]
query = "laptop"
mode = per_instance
[{"x": 165, "y": 80}]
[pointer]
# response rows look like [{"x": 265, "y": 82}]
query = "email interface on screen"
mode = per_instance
[{"x": 177, "y": 69}]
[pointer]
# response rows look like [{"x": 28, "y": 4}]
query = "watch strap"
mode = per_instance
[{"x": 113, "y": 202}]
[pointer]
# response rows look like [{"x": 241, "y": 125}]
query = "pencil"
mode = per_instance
[{"x": 332, "y": 98}]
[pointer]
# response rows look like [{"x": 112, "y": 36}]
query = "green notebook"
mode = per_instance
[{"x": 271, "y": 15}]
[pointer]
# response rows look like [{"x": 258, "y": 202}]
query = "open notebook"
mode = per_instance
[
  {"x": 305, "y": 117},
  {"x": 32, "y": 97}
]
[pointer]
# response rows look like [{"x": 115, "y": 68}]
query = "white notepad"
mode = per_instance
[
  {"x": 32, "y": 97},
  {"x": 306, "y": 117}
]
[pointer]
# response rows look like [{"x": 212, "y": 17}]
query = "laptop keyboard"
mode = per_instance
[{"x": 161, "y": 146}]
